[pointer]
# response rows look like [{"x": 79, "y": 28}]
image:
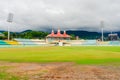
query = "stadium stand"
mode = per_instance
[
  {"x": 66, "y": 43},
  {"x": 89, "y": 42},
  {"x": 3, "y": 42},
  {"x": 30, "y": 41},
  {"x": 82, "y": 42},
  {"x": 12, "y": 42},
  {"x": 114, "y": 43},
  {"x": 103, "y": 43},
  {"x": 76, "y": 42}
]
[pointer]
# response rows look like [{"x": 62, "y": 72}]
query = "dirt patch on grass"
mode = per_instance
[{"x": 62, "y": 71}]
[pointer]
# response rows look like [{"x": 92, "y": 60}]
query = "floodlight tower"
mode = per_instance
[
  {"x": 102, "y": 31},
  {"x": 10, "y": 20}
]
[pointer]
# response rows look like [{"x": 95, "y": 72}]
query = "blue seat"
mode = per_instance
[
  {"x": 114, "y": 43},
  {"x": 25, "y": 41},
  {"x": 3, "y": 42},
  {"x": 89, "y": 42}
]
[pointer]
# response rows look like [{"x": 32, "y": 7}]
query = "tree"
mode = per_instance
[
  {"x": 72, "y": 37},
  {"x": 28, "y": 34}
]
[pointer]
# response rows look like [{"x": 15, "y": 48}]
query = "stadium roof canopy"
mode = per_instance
[{"x": 59, "y": 35}]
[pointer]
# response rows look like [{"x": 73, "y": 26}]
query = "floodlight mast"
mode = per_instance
[
  {"x": 102, "y": 31},
  {"x": 10, "y": 20}
]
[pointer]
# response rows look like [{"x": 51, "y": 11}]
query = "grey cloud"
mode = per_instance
[{"x": 64, "y": 14}]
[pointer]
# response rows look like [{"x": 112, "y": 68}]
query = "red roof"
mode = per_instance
[
  {"x": 58, "y": 34},
  {"x": 66, "y": 35},
  {"x": 52, "y": 34}
]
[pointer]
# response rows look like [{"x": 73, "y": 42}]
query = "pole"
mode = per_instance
[
  {"x": 102, "y": 35},
  {"x": 111, "y": 35},
  {"x": 102, "y": 31},
  {"x": 10, "y": 19},
  {"x": 8, "y": 33}
]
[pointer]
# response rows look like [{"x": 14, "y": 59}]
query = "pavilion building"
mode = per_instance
[{"x": 58, "y": 37}]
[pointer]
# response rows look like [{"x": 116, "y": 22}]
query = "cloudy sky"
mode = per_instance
[{"x": 63, "y": 14}]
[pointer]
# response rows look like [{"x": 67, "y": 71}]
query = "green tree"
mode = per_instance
[{"x": 73, "y": 37}]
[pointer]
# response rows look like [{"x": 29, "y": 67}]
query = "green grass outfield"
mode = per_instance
[{"x": 81, "y": 55}]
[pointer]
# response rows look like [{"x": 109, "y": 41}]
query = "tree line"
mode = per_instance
[{"x": 26, "y": 35}]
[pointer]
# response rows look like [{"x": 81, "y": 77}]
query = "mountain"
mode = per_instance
[
  {"x": 81, "y": 34},
  {"x": 87, "y": 34},
  {"x": 26, "y": 31},
  {"x": 1, "y": 31}
]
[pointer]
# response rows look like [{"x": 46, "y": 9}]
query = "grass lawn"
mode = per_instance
[
  {"x": 81, "y": 55},
  {"x": 8, "y": 76}
]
